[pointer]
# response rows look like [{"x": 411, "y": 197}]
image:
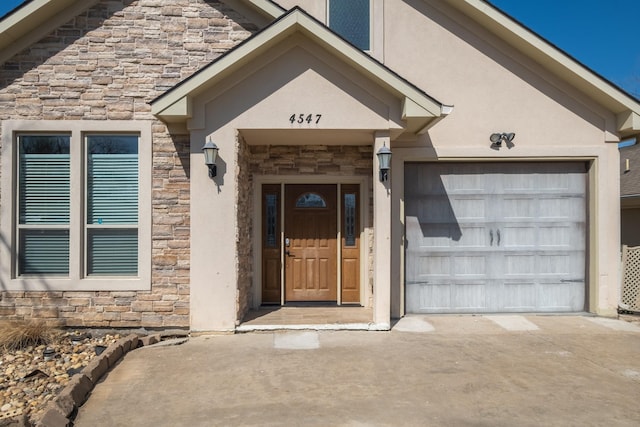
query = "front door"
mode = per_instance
[{"x": 310, "y": 233}]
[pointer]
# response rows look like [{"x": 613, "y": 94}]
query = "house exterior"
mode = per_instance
[
  {"x": 502, "y": 193},
  {"x": 630, "y": 195}
]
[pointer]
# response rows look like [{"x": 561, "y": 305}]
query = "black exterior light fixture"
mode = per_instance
[
  {"x": 384, "y": 160},
  {"x": 210, "y": 150},
  {"x": 498, "y": 138}
]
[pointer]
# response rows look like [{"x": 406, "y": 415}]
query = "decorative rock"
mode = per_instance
[
  {"x": 28, "y": 383},
  {"x": 6, "y": 407},
  {"x": 53, "y": 418}
]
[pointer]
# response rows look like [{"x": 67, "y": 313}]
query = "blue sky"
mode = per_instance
[{"x": 598, "y": 33}]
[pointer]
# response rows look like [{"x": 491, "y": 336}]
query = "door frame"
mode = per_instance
[{"x": 364, "y": 183}]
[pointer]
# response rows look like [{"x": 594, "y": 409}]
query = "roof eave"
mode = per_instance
[
  {"x": 267, "y": 8},
  {"x": 34, "y": 20},
  {"x": 628, "y": 123}
]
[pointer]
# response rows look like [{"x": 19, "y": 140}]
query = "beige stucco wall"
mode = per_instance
[{"x": 494, "y": 88}]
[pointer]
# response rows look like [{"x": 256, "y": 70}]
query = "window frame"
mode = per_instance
[
  {"x": 78, "y": 279},
  {"x": 35, "y": 226},
  {"x": 372, "y": 12}
]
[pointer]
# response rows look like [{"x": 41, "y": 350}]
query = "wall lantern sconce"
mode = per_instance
[
  {"x": 384, "y": 160},
  {"x": 498, "y": 138},
  {"x": 210, "y": 150}
]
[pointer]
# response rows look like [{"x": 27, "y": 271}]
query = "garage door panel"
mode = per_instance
[
  {"x": 465, "y": 266},
  {"x": 513, "y": 236},
  {"x": 470, "y": 296},
  {"x": 519, "y": 264},
  {"x": 561, "y": 296},
  {"x": 468, "y": 209},
  {"x": 515, "y": 245},
  {"x": 519, "y": 208},
  {"x": 448, "y": 236},
  {"x": 432, "y": 298},
  {"x": 444, "y": 235},
  {"x": 433, "y": 266},
  {"x": 470, "y": 183},
  {"x": 561, "y": 208},
  {"x": 558, "y": 236},
  {"x": 562, "y": 264},
  {"x": 519, "y": 296}
]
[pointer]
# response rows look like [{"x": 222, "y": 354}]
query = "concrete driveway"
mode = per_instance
[{"x": 428, "y": 371}]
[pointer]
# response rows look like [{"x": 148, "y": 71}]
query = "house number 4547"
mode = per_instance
[{"x": 305, "y": 118}]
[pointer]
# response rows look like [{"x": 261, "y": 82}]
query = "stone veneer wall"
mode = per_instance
[
  {"x": 244, "y": 232},
  {"x": 108, "y": 64},
  {"x": 340, "y": 160}
]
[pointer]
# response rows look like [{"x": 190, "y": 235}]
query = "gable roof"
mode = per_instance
[
  {"x": 625, "y": 106},
  {"x": 36, "y": 18},
  {"x": 418, "y": 108}
]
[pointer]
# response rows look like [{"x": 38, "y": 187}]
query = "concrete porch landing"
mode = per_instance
[{"x": 314, "y": 318}]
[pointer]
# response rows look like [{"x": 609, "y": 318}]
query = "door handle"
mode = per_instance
[
  {"x": 288, "y": 253},
  {"x": 490, "y": 237},
  {"x": 498, "y": 233}
]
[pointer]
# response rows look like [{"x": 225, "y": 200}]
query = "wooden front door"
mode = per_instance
[{"x": 310, "y": 242}]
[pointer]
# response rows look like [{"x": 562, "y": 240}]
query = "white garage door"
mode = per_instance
[{"x": 496, "y": 237}]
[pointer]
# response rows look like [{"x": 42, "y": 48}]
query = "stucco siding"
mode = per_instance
[{"x": 491, "y": 85}]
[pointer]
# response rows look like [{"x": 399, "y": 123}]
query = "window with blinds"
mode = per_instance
[
  {"x": 110, "y": 191},
  {"x": 43, "y": 204},
  {"x": 112, "y": 205},
  {"x": 352, "y": 20}
]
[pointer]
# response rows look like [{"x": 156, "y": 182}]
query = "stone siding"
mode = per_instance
[
  {"x": 244, "y": 209},
  {"x": 108, "y": 64},
  {"x": 340, "y": 160}
]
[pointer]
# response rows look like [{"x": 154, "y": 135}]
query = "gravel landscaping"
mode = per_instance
[{"x": 31, "y": 377}]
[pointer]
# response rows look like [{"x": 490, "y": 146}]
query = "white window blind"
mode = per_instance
[
  {"x": 112, "y": 205},
  {"x": 43, "y": 207}
]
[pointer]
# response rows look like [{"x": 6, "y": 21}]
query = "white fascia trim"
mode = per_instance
[
  {"x": 35, "y": 20},
  {"x": 7, "y": 24},
  {"x": 494, "y": 20},
  {"x": 268, "y": 7},
  {"x": 629, "y": 123},
  {"x": 295, "y": 21}
]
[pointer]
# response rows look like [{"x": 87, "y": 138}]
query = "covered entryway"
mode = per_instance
[{"x": 495, "y": 237}]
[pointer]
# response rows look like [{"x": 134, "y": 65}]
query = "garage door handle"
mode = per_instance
[
  {"x": 498, "y": 233},
  {"x": 490, "y": 237}
]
